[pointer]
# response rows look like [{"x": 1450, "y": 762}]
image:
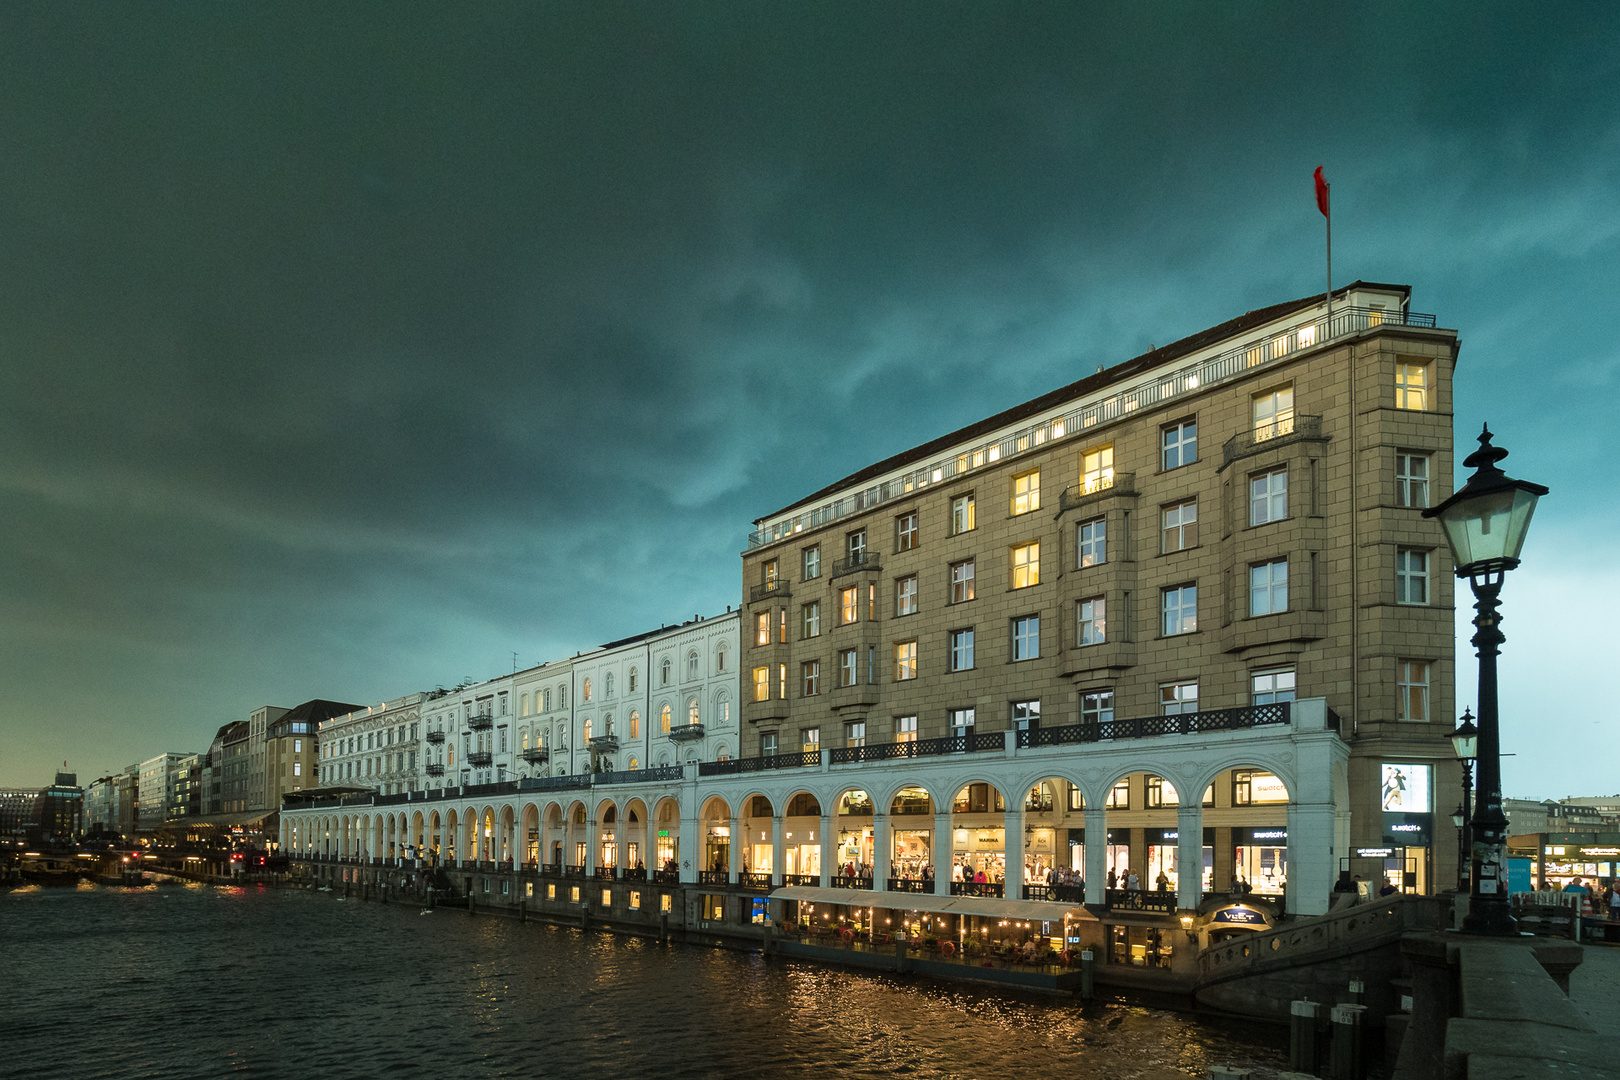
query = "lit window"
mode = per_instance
[
  {"x": 905, "y": 596},
  {"x": 587, "y": 690},
  {"x": 812, "y": 563},
  {"x": 1092, "y": 615},
  {"x": 1026, "y": 565},
  {"x": 1411, "y": 576},
  {"x": 781, "y": 686},
  {"x": 1119, "y": 796},
  {"x": 1412, "y": 689},
  {"x": 810, "y": 624},
  {"x": 635, "y": 726},
  {"x": 905, "y": 729},
  {"x": 1268, "y": 587},
  {"x": 849, "y": 605},
  {"x": 772, "y": 573},
  {"x": 1180, "y": 606},
  {"x": 1091, "y": 540},
  {"x": 810, "y": 740},
  {"x": 692, "y": 711},
  {"x": 905, "y": 661},
  {"x": 1412, "y": 479},
  {"x": 855, "y": 733},
  {"x": 961, "y": 582},
  {"x": 1268, "y": 497},
  {"x": 1411, "y": 386},
  {"x": 762, "y": 628},
  {"x": 1160, "y": 793},
  {"x": 1026, "y": 637},
  {"x": 1179, "y": 697},
  {"x": 1274, "y": 413},
  {"x": 961, "y": 650},
  {"x": 1270, "y": 687},
  {"x": 961, "y": 719},
  {"x": 1097, "y": 469},
  {"x": 905, "y": 531},
  {"x": 847, "y": 668},
  {"x": 1026, "y": 492},
  {"x": 962, "y": 517},
  {"x": 762, "y": 684},
  {"x": 1180, "y": 526},
  {"x": 664, "y": 714},
  {"x": 811, "y": 672},
  {"x": 1178, "y": 445}
]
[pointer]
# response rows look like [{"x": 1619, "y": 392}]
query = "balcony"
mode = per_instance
[
  {"x": 1063, "y": 894},
  {"x": 978, "y": 888},
  {"x": 842, "y": 881},
  {"x": 481, "y": 722},
  {"x": 686, "y": 732},
  {"x": 971, "y": 742},
  {"x": 769, "y": 590},
  {"x": 1139, "y": 900},
  {"x": 666, "y": 877},
  {"x": 864, "y": 560},
  {"x": 736, "y": 766},
  {"x": 535, "y": 755},
  {"x": 1123, "y": 484},
  {"x": 715, "y": 877},
  {"x": 754, "y": 882},
  {"x": 606, "y": 873},
  {"x": 1266, "y": 437},
  {"x": 912, "y": 885},
  {"x": 1248, "y": 716},
  {"x": 605, "y": 744},
  {"x": 435, "y": 737},
  {"x": 435, "y": 769},
  {"x": 480, "y": 759}
]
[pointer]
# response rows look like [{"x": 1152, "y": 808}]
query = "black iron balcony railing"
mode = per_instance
[
  {"x": 1246, "y": 716},
  {"x": 658, "y": 774},
  {"x": 978, "y": 888},
  {"x": 801, "y": 879},
  {"x": 480, "y": 721},
  {"x": 551, "y": 869},
  {"x": 1088, "y": 491},
  {"x": 755, "y": 882},
  {"x": 554, "y": 783},
  {"x": 916, "y": 885},
  {"x": 606, "y": 873},
  {"x": 666, "y": 877},
  {"x": 1139, "y": 900},
  {"x": 480, "y": 759},
  {"x": 1063, "y": 894},
  {"x": 633, "y": 874},
  {"x": 435, "y": 769},
  {"x": 779, "y": 587},
  {"x": 435, "y": 736},
  {"x": 847, "y": 881},
  {"x": 574, "y": 870},
  {"x": 969, "y": 743},
  {"x": 535, "y": 755},
  {"x": 861, "y": 560},
  {"x": 686, "y": 732},
  {"x": 714, "y": 877},
  {"x": 734, "y": 766},
  {"x": 605, "y": 744}
]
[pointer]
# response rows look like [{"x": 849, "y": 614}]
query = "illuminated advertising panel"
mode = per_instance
[{"x": 1405, "y": 789}]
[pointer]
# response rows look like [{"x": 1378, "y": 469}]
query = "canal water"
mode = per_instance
[{"x": 200, "y": 981}]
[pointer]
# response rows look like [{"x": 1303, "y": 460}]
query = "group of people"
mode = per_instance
[
  {"x": 1605, "y": 901},
  {"x": 1131, "y": 882}
]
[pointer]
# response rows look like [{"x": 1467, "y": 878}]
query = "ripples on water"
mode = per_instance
[{"x": 197, "y": 981}]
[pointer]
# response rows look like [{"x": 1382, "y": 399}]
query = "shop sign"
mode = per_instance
[
  {"x": 1260, "y": 835},
  {"x": 663, "y": 832},
  {"x": 1373, "y": 852},
  {"x": 1405, "y": 789},
  {"x": 1601, "y": 852},
  {"x": 1408, "y": 830},
  {"x": 1240, "y": 916}
]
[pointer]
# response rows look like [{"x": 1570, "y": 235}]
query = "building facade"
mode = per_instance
[
  {"x": 291, "y": 752},
  {"x": 158, "y": 778},
  {"x": 377, "y": 746}
]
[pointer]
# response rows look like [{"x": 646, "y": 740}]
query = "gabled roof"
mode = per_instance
[{"x": 1164, "y": 354}]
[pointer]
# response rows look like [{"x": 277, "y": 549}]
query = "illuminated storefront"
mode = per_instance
[
  {"x": 1407, "y": 802},
  {"x": 1261, "y": 858}
]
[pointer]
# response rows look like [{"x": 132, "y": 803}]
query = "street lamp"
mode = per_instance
[
  {"x": 1485, "y": 522},
  {"x": 1465, "y": 741}
]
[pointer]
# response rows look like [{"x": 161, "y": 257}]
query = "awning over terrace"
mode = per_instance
[{"x": 984, "y": 906}]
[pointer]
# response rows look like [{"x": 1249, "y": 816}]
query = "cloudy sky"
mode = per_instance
[{"x": 348, "y": 351}]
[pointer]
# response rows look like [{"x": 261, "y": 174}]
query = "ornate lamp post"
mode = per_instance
[
  {"x": 1465, "y": 741},
  {"x": 1485, "y": 522}
]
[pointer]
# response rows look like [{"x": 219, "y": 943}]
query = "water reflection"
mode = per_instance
[{"x": 188, "y": 982}]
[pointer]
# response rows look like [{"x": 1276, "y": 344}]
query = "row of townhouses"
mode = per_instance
[{"x": 1176, "y": 628}]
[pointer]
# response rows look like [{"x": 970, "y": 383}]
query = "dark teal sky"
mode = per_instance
[{"x": 345, "y": 353}]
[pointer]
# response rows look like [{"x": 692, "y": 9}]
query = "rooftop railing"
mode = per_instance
[{"x": 1147, "y": 391}]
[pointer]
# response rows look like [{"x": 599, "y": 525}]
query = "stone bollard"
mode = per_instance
[
  {"x": 472, "y": 905},
  {"x": 1227, "y": 1072},
  {"x": 663, "y": 927},
  {"x": 1303, "y": 1018},
  {"x": 1088, "y": 974},
  {"x": 1349, "y": 1042}
]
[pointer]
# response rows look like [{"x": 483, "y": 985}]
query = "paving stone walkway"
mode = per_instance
[{"x": 1595, "y": 988}]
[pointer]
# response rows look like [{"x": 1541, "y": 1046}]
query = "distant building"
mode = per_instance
[
  {"x": 129, "y": 798},
  {"x": 186, "y": 798},
  {"x": 235, "y": 770},
  {"x": 156, "y": 793},
  {"x": 375, "y": 747},
  {"x": 257, "y": 789},
  {"x": 1587, "y": 814},
  {"x": 58, "y": 813},
  {"x": 291, "y": 757},
  {"x": 101, "y": 805},
  {"x": 16, "y": 814}
]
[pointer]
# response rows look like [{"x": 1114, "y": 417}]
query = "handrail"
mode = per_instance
[
  {"x": 1150, "y": 389},
  {"x": 733, "y": 766},
  {"x": 1246, "y": 716}
]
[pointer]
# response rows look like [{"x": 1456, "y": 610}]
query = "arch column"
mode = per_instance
[
  {"x": 943, "y": 840},
  {"x": 1190, "y": 856},
  {"x": 882, "y": 848},
  {"x": 777, "y": 865},
  {"x": 1096, "y": 854},
  {"x": 735, "y": 848},
  {"x": 826, "y": 850},
  {"x": 690, "y": 826},
  {"x": 1012, "y": 845},
  {"x": 593, "y": 855}
]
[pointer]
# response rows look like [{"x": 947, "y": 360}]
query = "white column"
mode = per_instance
[
  {"x": 943, "y": 838},
  {"x": 777, "y": 865},
  {"x": 1190, "y": 856},
  {"x": 1096, "y": 855},
  {"x": 592, "y": 844},
  {"x": 690, "y": 854},
  {"x": 826, "y": 839},
  {"x": 738, "y": 839},
  {"x": 1012, "y": 845},
  {"x": 882, "y": 847}
]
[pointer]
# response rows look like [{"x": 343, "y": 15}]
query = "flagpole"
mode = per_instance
[{"x": 1328, "y": 198}]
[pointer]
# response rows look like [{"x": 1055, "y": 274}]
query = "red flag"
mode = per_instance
[{"x": 1321, "y": 191}]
